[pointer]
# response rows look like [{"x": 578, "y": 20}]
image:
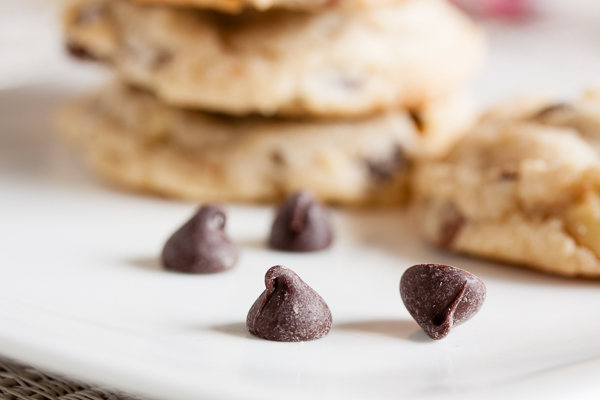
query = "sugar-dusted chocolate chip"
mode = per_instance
[
  {"x": 201, "y": 245},
  {"x": 385, "y": 169},
  {"x": 288, "y": 310},
  {"x": 301, "y": 224},
  {"x": 440, "y": 297}
]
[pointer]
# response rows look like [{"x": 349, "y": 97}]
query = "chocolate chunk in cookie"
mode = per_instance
[
  {"x": 80, "y": 52},
  {"x": 301, "y": 224},
  {"x": 288, "y": 310},
  {"x": 201, "y": 246},
  {"x": 451, "y": 225},
  {"x": 440, "y": 297},
  {"x": 388, "y": 168}
]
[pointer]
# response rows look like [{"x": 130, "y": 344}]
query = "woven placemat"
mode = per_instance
[{"x": 18, "y": 381}]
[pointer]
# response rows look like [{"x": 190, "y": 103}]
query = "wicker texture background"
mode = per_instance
[{"x": 18, "y": 381}]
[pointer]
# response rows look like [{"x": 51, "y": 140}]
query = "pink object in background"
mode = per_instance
[{"x": 511, "y": 9}]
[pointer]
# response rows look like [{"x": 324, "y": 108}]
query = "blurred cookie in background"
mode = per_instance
[
  {"x": 132, "y": 139},
  {"x": 336, "y": 63}
]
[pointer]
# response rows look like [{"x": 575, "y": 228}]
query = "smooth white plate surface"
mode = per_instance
[{"x": 81, "y": 291}]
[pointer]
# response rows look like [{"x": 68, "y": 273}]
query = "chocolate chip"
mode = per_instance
[
  {"x": 288, "y": 310},
  {"x": 452, "y": 223},
  {"x": 386, "y": 169},
  {"x": 80, "y": 52},
  {"x": 201, "y": 246},
  {"x": 440, "y": 297},
  {"x": 301, "y": 224}
]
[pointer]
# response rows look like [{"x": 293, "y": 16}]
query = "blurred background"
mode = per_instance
[{"x": 548, "y": 46}]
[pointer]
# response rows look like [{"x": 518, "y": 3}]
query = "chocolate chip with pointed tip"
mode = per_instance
[
  {"x": 201, "y": 245},
  {"x": 301, "y": 224},
  {"x": 288, "y": 310},
  {"x": 440, "y": 297}
]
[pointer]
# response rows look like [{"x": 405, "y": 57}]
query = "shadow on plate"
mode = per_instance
[
  {"x": 395, "y": 328},
  {"x": 154, "y": 264},
  {"x": 252, "y": 243},
  {"x": 147, "y": 263},
  {"x": 237, "y": 329}
]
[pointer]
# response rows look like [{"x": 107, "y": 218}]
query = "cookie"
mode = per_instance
[
  {"x": 523, "y": 187},
  {"x": 130, "y": 138},
  {"x": 236, "y": 6},
  {"x": 337, "y": 63}
]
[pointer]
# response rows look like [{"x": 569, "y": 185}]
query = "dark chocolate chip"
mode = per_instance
[
  {"x": 452, "y": 223},
  {"x": 288, "y": 310},
  {"x": 386, "y": 169},
  {"x": 440, "y": 297},
  {"x": 201, "y": 246},
  {"x": 80, "y": 52},
  {"x": 301, "y": 224}
]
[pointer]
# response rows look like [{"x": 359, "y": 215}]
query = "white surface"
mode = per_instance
[{"x": 81, "y": 291}]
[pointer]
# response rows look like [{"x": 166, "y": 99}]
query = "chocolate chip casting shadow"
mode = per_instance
[
  {"x": 237, "y": 329},
  {"x": 396, "y": 328}
]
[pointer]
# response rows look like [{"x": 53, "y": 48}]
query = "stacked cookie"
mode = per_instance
[{"x": 251, "y": 100}]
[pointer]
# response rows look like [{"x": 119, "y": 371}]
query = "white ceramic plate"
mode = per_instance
[{"x": 81, "y": 291}]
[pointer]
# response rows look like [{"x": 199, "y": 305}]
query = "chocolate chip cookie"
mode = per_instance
[
  {"x": 336, "y": 63},
  {"x": 132, "y": 139},
  {"x": 522, "y": 187}
]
